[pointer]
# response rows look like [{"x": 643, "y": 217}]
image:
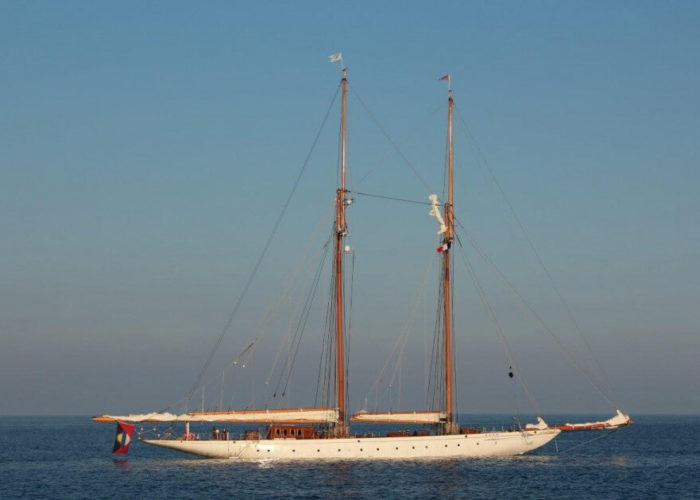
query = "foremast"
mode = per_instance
[
  {"x": 340, "y": 233},
  {"x": 450, "y": 426}
]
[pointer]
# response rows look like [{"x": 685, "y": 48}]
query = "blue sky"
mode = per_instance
[{"x": 147, "y": 148}]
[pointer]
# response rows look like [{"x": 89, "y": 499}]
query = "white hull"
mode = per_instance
[{"x": 488, "y": 444}]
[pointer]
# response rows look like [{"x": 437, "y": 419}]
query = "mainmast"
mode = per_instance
[
  {"x": 450, "y": 425},
  {"x": 340, "y": 233}
]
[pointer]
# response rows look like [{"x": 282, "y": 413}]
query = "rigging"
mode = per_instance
[{"x": 254, "y": 271}]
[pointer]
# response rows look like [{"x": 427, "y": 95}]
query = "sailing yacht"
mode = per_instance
[{"x": 322, "y": 433}]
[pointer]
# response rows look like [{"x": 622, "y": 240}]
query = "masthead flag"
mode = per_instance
[
  {"x": 335, "y": 57},
  {"x": 446, "y": 77},
  {"x": 123, "y": 438}
]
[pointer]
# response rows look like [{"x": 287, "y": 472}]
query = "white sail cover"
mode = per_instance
[
  {"x": 289, "y": 415},
  {"x": 406, "y": 417},
  {"x": 540, "y": 425},
  {"x": 619, "y": 420}
]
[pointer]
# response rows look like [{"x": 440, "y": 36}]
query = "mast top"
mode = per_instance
[{"x": 449, "y": 82}]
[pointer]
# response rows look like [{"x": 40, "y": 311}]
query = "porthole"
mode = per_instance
[
  {"x": 445, "y": 446},
  {"x": 338, "y": 449},
  {"x": 397, "y": 447},
  {"x": 413, "y": 447},
  {"x": 377, "y": 449}
]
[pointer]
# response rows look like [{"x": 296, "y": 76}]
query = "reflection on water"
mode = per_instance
[{"x": 621, "y": 461}]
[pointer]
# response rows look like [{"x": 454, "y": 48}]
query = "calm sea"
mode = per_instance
[{"x": 70, "y": 457}]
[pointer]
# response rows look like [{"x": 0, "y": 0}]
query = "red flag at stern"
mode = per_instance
[{"x": 123, "y": 438}]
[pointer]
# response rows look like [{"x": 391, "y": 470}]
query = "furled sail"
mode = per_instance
[
  {"x": 287, "y": 415},
  {"x": 405, "y": 417},
  {"x": 619, "y": 420}
]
